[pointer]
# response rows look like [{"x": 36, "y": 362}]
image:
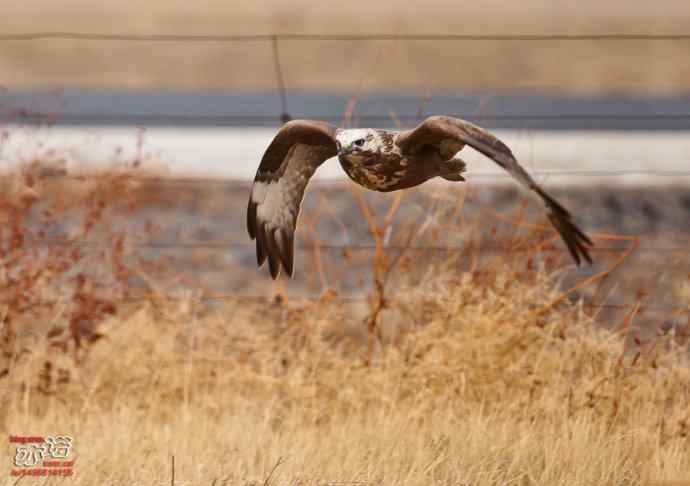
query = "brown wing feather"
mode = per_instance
[
  {"x": 437, "y": 129},
  {"x": 295, "y": 153}
]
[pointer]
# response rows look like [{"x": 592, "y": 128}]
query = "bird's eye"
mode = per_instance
[{"x": 359, "y": 142}]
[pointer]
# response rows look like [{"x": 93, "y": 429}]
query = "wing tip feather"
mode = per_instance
[
  {"x": 285, "y": 245},
  {"x": 261, "y": 246},
  {"x": 578, "y": 243},
  {"x": 275, "y": 245},
  {"x": 251, "y": 219},
  {"x": 273, "y": 253}
]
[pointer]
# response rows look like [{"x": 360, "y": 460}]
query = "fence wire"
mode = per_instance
[
  {"x": 280, "y": 300},
  {"x": 143, "y": 37},
  {"x": 234, "y": 181},
  {"x": 232, "y": 119},
  {"x": 227, "y": 245}
]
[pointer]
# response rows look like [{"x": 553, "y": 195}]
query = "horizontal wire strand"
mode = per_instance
[
  {"x": 19, "y": 116},
  {"x": 277, "y": 299},
  {"x": 172, "y": 180},
  {"x": 224, "y": 245},
  {"x": 132, "y": 37}
]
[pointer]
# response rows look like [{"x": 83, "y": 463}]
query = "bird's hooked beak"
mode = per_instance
[{"x": 339, "y": 147}]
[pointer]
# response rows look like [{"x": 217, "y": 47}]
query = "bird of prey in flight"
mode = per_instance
[{"x": 378, "y": 160}]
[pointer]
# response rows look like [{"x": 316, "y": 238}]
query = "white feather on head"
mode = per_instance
[{"x": 348, "y": 136}]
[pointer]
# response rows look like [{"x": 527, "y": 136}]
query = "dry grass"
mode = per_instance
[
  {"x": 471, "y": 388},
  {"x": 462, "y": 378}
]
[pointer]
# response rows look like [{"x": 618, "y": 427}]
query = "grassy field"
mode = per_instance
[
  {"x": 424, "y": 66},
  {"x": 477, "y": 388},
  {"x": 485, "y": 375}
]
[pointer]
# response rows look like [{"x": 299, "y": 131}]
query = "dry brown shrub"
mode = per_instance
[{"x": 62, "y": 265}]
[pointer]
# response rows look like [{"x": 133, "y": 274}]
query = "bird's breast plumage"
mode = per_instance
[{"x": 378, "y": 172}]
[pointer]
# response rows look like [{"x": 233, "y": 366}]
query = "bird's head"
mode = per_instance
[{"x": 358, "y": 143}]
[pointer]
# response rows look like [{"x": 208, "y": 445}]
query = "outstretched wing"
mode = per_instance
[
  {"x": 295, "y": 153},
  {"x": 444, "y": 131}
]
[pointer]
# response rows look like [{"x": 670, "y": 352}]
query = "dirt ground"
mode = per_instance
[{"x": 426, "y": 66}]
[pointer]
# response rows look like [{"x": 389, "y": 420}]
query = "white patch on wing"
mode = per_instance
[
  {"x": 259, "y": 191},
  {"x": 273, "y": 207},
  {"x": 278, "y": 201}
]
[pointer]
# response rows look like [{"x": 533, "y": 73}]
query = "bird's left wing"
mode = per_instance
[
  {"x": 295, "y": 153},
  {"x": 439, "y": 131}
]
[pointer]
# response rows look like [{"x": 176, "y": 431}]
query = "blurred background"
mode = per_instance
[
  {"x": 593, "y": 97},
  {"x": 579, "y": 67},
  {"x": 440, "y": 335}
]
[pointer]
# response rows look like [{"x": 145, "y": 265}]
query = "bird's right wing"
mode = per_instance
[
  {"x": 295, "y": 153},
  {"x": 439, "y": 130}
]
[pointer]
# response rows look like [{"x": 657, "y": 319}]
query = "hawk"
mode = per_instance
[{"x": 379, "y": 160}]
